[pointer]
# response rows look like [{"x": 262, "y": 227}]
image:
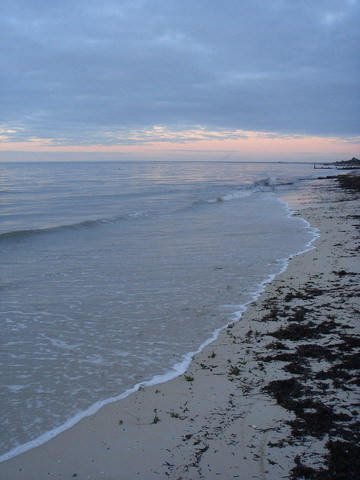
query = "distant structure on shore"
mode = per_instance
[{"x": 352, "y": 164}]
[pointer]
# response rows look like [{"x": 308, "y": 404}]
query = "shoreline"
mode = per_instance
[
  {"x": 178, "y": 368},
  {"x": 218, "y": 420},
  {"x": 175, "y": 371}
]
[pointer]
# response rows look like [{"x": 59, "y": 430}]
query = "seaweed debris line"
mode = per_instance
[{"x": 318, "y": 345}]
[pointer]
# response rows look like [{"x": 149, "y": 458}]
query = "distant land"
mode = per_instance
[
  {"x": 352, "y": 164},
  {"x": 354, "y": 161}
]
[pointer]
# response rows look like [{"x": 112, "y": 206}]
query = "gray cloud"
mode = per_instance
[{"x": 71, "y": 70}]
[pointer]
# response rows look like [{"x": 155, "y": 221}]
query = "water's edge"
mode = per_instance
[{"x": 180, "y": 367}]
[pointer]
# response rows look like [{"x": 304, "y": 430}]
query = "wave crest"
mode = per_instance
[{"x": 20, "y": 234}]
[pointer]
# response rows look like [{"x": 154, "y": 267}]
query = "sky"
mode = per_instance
[{"x": 238, "y": 80}]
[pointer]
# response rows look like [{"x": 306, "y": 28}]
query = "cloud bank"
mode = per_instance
[{"x": 137, "y": 71}]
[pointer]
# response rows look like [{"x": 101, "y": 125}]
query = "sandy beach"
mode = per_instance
[{"x": 275, "y": 396}]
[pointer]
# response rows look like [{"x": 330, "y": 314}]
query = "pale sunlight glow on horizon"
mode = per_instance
[{"x": 198, "y": 143}]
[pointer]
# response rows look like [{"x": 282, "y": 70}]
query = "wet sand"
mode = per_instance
[{"x": 275, "y": 396}]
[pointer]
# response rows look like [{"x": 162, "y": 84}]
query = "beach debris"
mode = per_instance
[{"x": 156, "y": 418}]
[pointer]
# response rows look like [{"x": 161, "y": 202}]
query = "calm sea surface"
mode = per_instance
[{"x": 114, "y": 274}]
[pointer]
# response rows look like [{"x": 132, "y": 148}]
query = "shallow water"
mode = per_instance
[{"x": 113, "y": 273}]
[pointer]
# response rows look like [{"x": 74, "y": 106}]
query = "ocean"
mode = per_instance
[{"x": 113, "y": 274}]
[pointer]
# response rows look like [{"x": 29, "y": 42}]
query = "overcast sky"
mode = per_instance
[{"x": 130, "y": 72}]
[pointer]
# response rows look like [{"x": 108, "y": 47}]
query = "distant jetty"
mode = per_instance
[{"x": 352, "y": 164}]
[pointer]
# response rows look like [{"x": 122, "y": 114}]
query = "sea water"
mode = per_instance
[{"x": 114, "y": 273}]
